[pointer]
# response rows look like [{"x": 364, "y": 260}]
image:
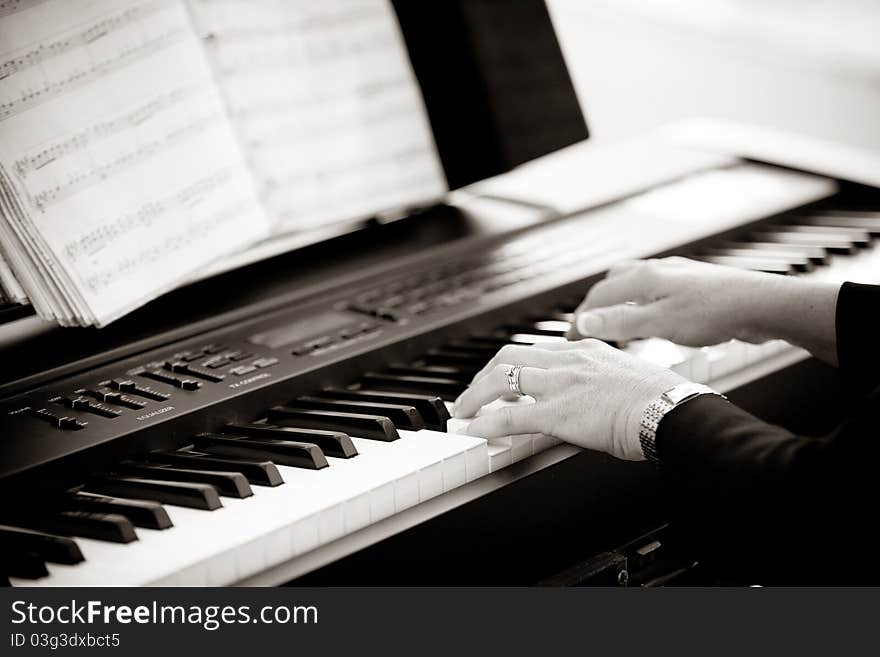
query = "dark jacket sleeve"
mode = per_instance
[
  {"x": 858, "y": 346},
  {"x": 776, "y": 506}
]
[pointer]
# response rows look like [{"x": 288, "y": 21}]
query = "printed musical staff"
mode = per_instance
[
  {"x": 31, "y": 96},
  {"x": 120, "y": 174},
  {"x": 76, "y": 39},
  {"x": 107, "y": 232},
  {"x": 8, "y": 7},
  {"x": 78, "y": 180},
  {"x": 112, "y": 126},
  {"x": 194, "y": 233}
]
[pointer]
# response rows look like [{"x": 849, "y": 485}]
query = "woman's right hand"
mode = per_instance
[{"x": 696, "y": 304}]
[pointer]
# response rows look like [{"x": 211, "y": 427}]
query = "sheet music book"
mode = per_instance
[{"x": 144, "y": 141}]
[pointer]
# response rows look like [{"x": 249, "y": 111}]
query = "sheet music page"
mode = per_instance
[
  {"x": 119, "y": 171},
  {"x": 327, "y": 106}
]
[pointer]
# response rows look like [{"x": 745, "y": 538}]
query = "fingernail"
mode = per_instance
[{"x": 588, "y": 324}]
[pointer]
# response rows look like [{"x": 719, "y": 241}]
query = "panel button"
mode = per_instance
[
  {"x": 265, "y": 362},
  {"x": 111, "y": 397},
  {"x": 57, "y": 421},
  {"x": 159, "y": 375},
  {"x": 179, "y": 367},
  {"x": 123, "y": 385},
  {"x": 319, "y": 343},
  {"x": 241, "y": 370},
  {"x": 127, "y": 385},
  {"x": 82, "y": 403}
]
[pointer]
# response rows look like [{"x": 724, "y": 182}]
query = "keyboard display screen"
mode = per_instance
[{"x": 318, "y": 325}]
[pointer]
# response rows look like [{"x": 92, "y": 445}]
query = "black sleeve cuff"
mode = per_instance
[
  {"x": 710, "y": 438},
  {"x": 858, "y": 346}
]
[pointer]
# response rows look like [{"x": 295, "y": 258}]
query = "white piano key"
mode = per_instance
[
  {"x": 456, "y": 451},
  {"x": 542, "y": 442},
  {"x": 224, "y": 568},
  {"x": 430, "y": 481},
  {"x": 516, "y": 448},
  {"x": 304, "y": 535},
  {"x": 499, "y": 457},
  {"x": 477, "y": 461},
  {"x": 520, "y": 447},
  {"x": 382, "y": 502}
]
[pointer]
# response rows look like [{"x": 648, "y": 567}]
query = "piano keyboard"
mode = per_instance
[{"x": 221, "y": 504}]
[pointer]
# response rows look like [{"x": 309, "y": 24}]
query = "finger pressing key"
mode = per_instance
[{"x": 532, "y": 382}]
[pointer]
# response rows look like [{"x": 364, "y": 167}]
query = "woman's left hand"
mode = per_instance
[{"x": 586, "y": 393}]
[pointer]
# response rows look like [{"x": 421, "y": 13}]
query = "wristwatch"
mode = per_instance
[{"x": 658, "y": 409}]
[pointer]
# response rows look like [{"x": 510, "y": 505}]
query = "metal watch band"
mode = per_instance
[{"x": 658, "y": 409}]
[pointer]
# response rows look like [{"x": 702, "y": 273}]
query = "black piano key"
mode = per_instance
[
  {"x": 503, "y": 338},
  {"x": 403, "y": 416},
  {"x": 471, "y": 347},
  {"x": 432, "y": 409},
  {"x": 282, "y": 452},
  {"x": 816, "y": 254},
  {"x": 24, "y": 565},
  {"x": 455, "y": 358},
  {"x": 110, "y": 527},
  {"x": 259, "y": 473},
  {"x": 180, "y": 493},
  {"x": 142, "y": 513},
  {"x": 766, "y": 265},
  {"x": 228, "y": 484},
  {"x": 332, "y": 443},
  {"x": 57, "y": 549},
  {"x": 798, "y": 262},
  {"x": 531, "y": 329},
  {"x": 831, "y": 242},
  {"x": 448, "y": 389},
  {"x": 860, "y": 238},
  {"x": 561, "y": 316},
  {"x": 490, "y": 341},
  {"x": 360, "y": 425},
  {"x": 867, "y": 221},
  {"x": 442, "y": 371}
]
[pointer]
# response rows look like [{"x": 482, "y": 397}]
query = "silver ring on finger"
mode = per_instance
[{"x": 513, "y": 372}]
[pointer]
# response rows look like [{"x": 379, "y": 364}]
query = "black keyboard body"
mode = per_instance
[{"x": 78, "y": 402}]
